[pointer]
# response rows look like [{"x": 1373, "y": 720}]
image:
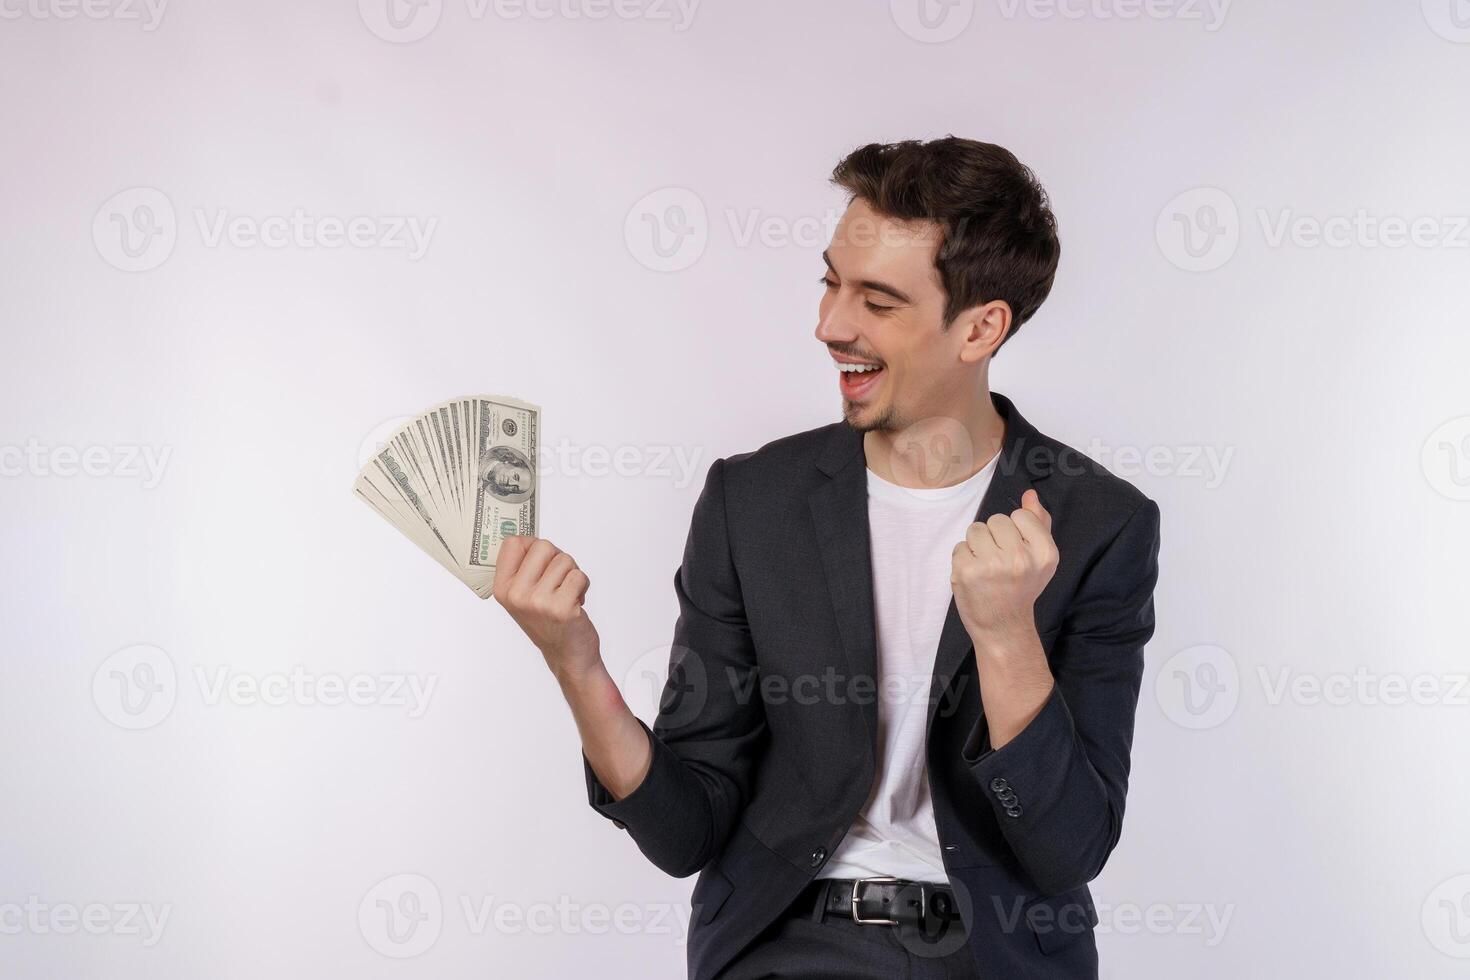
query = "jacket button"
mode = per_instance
[
  {"x": 818, "y": 856},
  {"x": 998, "y": 784}
]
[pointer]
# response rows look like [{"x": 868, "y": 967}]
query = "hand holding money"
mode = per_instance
[
  {"x": 460, "y": 479},
  {"x": 461, "y": 482},
  {"x": 543, "y": 590}
]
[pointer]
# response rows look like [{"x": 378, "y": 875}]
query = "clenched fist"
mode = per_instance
[
  {"x": 543, "y": 590},
  {"x": 1001, "y": 567}
]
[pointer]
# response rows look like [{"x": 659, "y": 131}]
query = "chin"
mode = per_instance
[{"x": 867, "y": 418}]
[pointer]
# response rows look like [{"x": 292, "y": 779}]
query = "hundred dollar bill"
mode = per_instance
[
  {"x": 459, "y": 478},
  {"x": 508, "y": 442}
]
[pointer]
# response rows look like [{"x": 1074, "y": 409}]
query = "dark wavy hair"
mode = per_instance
[{"x": 999, "y": 234}]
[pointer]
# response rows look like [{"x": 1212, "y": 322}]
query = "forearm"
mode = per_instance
[
  {"x": 613, "y": 741},
  {"x": 1055, "y": 778},
  {"x": 1015, "y": 681}
]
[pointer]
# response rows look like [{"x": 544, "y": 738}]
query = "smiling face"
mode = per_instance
[{"x": 882, "y": 319}]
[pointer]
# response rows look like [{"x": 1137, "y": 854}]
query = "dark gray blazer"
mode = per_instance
[{"x": 765, "y": 743}]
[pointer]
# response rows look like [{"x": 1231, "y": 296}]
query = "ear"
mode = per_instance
[{"x": 984, "y": 327}]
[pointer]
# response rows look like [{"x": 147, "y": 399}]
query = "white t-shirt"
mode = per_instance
[{"x": 913, "y": 533}]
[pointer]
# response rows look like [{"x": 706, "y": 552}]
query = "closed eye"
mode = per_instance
[{"x": 874, "y": 307}]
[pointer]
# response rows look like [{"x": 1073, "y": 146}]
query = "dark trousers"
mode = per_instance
[{"x": 812, "y": 945}]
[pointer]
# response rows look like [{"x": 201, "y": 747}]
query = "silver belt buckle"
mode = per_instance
[{"x": 857, "y": 888}]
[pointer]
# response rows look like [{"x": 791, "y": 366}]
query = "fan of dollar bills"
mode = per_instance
[{"x": 458, "y": 479}]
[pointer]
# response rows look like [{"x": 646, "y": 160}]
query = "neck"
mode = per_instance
[{"x": 940, "y": 451}]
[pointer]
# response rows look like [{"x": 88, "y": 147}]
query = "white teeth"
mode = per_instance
[{"x": 846, "y": 368}]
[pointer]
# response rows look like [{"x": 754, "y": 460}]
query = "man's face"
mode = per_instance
[
  {"x": 883, "y": 304},
  {"x": 509, "y": 477}
]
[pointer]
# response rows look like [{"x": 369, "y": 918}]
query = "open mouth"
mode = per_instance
[{"x": 857, "y": 379}]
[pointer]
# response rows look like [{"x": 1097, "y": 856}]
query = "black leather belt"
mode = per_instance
[{"x": 876, "y": 901}]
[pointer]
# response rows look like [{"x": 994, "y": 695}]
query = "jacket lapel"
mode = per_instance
[{"x": 840, "y": 510}]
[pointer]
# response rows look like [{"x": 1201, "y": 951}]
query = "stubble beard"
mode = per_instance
[{"x": 885, "y": 421}]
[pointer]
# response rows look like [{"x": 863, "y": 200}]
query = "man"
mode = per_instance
[{"x": 895, "y": 737}]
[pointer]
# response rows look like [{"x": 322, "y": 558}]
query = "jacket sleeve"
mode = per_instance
[
  {"x": 711, "y": 725},
  {"x": 1058, "y": 787}
]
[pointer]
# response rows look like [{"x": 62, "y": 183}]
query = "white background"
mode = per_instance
[{"x": 1328, "y": 838}]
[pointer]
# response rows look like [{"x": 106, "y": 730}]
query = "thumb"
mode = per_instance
[
  {"x": 513, "y": 548},
  {"x": 1031, "y": 501}
]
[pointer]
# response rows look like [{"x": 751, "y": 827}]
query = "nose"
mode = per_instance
[{"x": 833, "y": 326}]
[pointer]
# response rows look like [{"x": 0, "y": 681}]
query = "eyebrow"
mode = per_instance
[{"x": 874, "y": 285}]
